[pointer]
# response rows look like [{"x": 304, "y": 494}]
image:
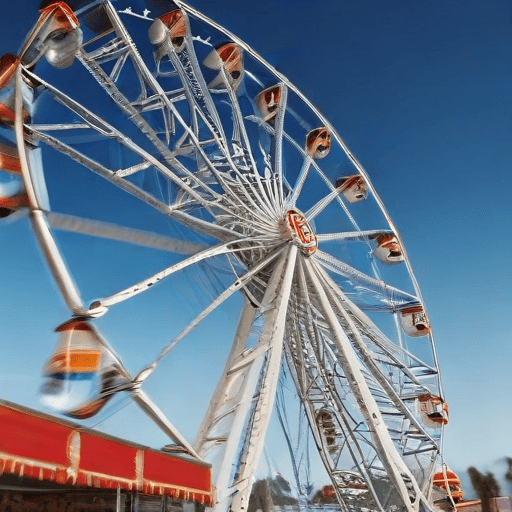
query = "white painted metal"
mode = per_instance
[
  {"x": 159, "y": 276},
  {"x": 395, "y": 467},
  {"x": 237, "y": 285},
  {"x": 334, "y": 350},
  {"x": 154, "y": 412},
  {"x": 111, "y": 231},
  {"x": 274, "y": 308},
  {"x": 225, "y": 400},
  {"x": 237, "y": 397},
  {"x": 45, "y": 238},
  {"x": 306, "y": 357}
]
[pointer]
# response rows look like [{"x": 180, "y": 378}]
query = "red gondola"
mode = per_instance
[{"x": 448, "y": 481}]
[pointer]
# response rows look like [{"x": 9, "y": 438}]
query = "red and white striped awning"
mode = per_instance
[{"x": 39, "y": 446}]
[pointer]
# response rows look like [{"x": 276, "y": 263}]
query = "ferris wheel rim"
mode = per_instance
[{"x": 39, "y": 216}]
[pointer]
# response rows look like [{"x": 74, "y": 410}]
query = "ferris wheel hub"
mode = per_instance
[{"x": 301, "y": 232}]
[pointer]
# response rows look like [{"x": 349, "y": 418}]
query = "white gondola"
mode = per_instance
[
  {"x": 388, "y": 249},
  {"x": 268, "y": 102},
  {"x": 318, "y": 142},
  {"x": 353, "y": 188},
  {"x": 228, "y": 59},
  {"x": 414, "y": 321},
  {"x": 170, "y": 27},
  {"x": 433, "y": 410}
]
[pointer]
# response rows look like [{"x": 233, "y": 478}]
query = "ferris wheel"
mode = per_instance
[{"x": 151, "y": 125}]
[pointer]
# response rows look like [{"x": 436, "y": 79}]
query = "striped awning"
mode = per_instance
[{"x": 42, "y": 447}]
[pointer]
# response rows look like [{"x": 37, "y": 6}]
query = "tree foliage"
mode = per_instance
[
  {"x": 485, "y": 485},
  {"x": 508, "y": 474}
]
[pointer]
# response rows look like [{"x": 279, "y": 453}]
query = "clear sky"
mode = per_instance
[{"x": 420, "y": 91}]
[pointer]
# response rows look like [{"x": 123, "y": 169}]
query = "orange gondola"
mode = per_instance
[
  {"x": 81, "y": 355},
  {"x": 388, "y": 248},
  {"x": 318, "y": 142},
  {"x": 171, "y": 26},
  {"x": 229, "y": 56},
  {"x": 268, "y": 102},
  {"x": 449, "y": 482},
  {"x": 353, "y": 188},
  {"x": 433, "y": 410},
  {"x": 78, "y": 352},
  {"x": 414, "y": 321}
]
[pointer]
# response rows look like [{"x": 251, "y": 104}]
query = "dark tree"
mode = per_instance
[
  {"x": 508, "y": 474},
  {"x": 485, "y": 486},
  {"x": 270, "y": 493}
]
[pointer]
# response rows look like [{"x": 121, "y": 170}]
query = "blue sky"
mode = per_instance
[{"x": 420, "y": 91}]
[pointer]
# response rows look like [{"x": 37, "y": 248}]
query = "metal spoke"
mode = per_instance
[
  {"x": 398, "y": 355},
  {"x": 349, "y": 235},
  {"x": 194, "y": 223},
  {"x": 278, "y": 140},
  {"x": 321, "y": 385},
  {"x": 148, "y": 78},
  {"x": 321, "y": 205},
  {"x": 239, "y": 125},
  {"x": 306, "y": 165},
  {"x": 146, "y": 284},
  {"x": 45, "y": 238},
  {"x": 121, "y": 233},
  {"x": 274, "y": 308},
  {"x": 395, "y": 467},
  {"x": 100, "y": 125},
  {"x": 228, "y": 292},
  {"x": 390, "y": 295},
  {"x": 368, "y": 358},
  {"x": 301, "y": 178}
]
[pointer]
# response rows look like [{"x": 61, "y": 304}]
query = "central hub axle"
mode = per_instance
[{"x": 301, "y": 232}]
